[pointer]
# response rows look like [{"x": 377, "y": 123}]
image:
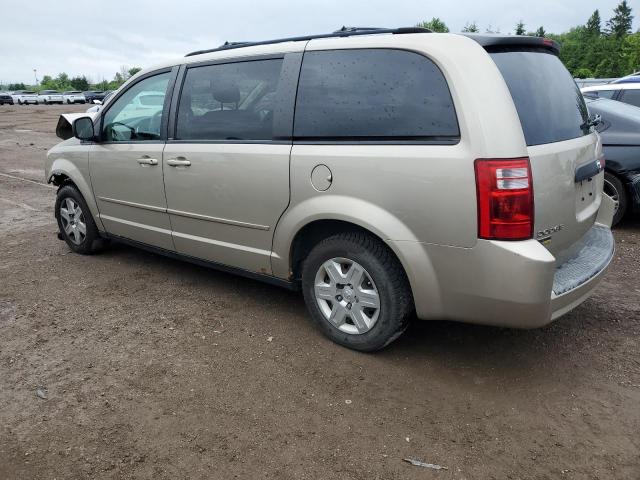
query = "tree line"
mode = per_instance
[
  {"x": 589, "y": 50},
  {"x": 65, "y": 83}
]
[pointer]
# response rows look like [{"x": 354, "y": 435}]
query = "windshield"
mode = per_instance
[{"x": 548, "y": 101}]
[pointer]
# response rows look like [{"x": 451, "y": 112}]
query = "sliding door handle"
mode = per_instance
[
  {"x": 147, "y": 161},
  {"x": 178, "y": 162}
]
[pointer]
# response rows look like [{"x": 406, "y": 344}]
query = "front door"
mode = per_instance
[
  {"x": 227, "y": 170},
  {"x": 126, "y": 164}
]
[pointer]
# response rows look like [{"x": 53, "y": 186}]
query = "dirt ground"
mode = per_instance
[{"x": 153, "y": 368}]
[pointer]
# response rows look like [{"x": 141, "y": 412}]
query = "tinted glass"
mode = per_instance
[
  {"x": 373, "y": 94},
  {"x": 632, "y": 97},
  {"x": 605, "y": 93},
  {"x": 137, "y": 114},
  {"x": 232, "y": 101},
  {"x": 548, "y": 101}
]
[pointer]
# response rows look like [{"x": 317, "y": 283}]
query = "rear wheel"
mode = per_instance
[
  {"x": 357, "y": 291},
  {"x": 75, "y": 222},
  {"x": 615, "y": 189}
]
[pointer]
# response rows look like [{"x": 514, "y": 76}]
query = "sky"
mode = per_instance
[{"x": 97, "y": 38}]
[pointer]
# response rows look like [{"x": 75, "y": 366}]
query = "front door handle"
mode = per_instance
[
  {"x": 178, "y": 162},
  {"x": 147, "y": 161}
]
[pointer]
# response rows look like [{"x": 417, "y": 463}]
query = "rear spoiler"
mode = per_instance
[
  {"x": 64, "y": 129},
  {"x": 514, "y": 42}
]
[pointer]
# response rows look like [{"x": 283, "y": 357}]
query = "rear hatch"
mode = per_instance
[{"x": 565, "y": 156}]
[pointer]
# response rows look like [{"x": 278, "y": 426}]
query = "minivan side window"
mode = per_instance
[
  {"x": 137, "y": 114},
  {"x": 373, "y": 94},
  {"x": 631, "y": 97},
  {"x": 229, "y": 101}
]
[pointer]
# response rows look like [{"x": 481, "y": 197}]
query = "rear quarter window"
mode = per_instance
[
  {"x": 549, "y": 103},
  {"x": 373, "y": 94}
]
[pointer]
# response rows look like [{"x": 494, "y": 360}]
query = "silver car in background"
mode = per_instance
[
  {"x": 74, "y": 97},
  {"x": 25, "y": 97},
  {"x": 49, "y": 97}
]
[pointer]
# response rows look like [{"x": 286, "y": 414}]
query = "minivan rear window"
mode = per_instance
[{"x": 549, "y": 103}]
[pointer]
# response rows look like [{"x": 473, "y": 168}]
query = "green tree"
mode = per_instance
[
  {"x": 79, "y": 83},
  {"x": 620, "y": 24},
  {"x": 631, "y": 53},
  {"x": 133, "y": 71},
  {"x": 471, "y": 28},
  {"x": 435, "y": 25},
  {"x": 593, "y": 24},
  {"x": 520, "y": 28},
  {"x": 583, "y": 73},
  {"x": 540, "y": 32},
  {"x": 48, "y": 83},
  {"x": 62, "y": 79}
]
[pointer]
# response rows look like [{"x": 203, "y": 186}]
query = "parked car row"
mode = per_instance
[{"x": 48, "y": 97}]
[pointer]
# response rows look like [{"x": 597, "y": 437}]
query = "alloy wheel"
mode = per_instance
[
  {"x": 73, "y": 221},
  {"x": 347, "y": 296}
]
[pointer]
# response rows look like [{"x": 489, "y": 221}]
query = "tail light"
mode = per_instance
[{"x": 505, "y": 198}]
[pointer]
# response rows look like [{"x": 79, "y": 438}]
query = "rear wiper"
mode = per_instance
[{"x": 593, "y": 121}]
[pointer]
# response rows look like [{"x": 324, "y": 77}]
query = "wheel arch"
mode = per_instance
[
  {"x": 309, "y": 222},
  {"x": 64, "y": 172}
]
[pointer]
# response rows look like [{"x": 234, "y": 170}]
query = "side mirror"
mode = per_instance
[{"x": 83, "y": 128}]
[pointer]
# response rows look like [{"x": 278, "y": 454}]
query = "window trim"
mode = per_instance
[
  {"x": 287, "y": 83},
  {"x": 372, "y": 140},
  {"x": 165, "y": 108}
]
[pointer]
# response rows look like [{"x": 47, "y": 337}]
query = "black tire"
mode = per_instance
[
  {"x": 615, "y": 189},
  {"x": 91, "y": 243},
  {"x": 386, "y": 272}
]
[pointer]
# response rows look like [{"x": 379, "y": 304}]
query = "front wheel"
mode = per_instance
[
  {"x": 75, "y": 222},
  {"x": 615, "y": 189},
  {"x": 357, "y": 291}
]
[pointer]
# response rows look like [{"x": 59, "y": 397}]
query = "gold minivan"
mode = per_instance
[{"x": 381, "y": 171}]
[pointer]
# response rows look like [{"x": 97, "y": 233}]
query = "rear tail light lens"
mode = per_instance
[{"x": 505, "y": 198}]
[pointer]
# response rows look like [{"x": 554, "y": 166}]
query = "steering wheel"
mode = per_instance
[{"x": 114, "y": 133}]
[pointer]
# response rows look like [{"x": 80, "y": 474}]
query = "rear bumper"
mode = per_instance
[
  {"x": 509, "y": 284},
  {"x": 575, "y": 278}
]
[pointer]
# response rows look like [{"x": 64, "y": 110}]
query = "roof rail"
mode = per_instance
[{"x": 343, "y": 32}]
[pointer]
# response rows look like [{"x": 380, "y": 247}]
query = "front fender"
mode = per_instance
[
  {"x": 398, "y": 237},
  {"x": 79, "y": 176}
]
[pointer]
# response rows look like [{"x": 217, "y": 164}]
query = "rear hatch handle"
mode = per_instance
[{"x": 589, "y": 170}]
